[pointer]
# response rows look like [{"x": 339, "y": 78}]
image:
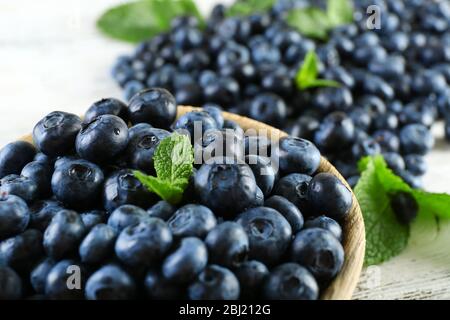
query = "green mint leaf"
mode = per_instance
[
  {"x": 164, "y": 189},
  {"x": 173, "y": 161},
  {"x": 141, "y": 20},
  {"x": 385, "y": 236},
  {"x": 433, "y": 204},
  {"x": 311, "y": 22},
  {"x": 307, "y": 74},
  {"x": 339, "y": 12},
  {"x": 248, "y": 7}
]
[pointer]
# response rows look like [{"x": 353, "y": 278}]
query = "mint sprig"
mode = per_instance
[
  {"x": 385, "y": 236},
  {"x": 141, "y": 20},
  {"x": 248, "y": 7},
  {"x": 307, "y": 74},
  {"x": 316, "y": 23},
  {"x": 173, "y": 161}
]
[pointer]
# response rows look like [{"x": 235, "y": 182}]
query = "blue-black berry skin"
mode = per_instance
[
  {"x": 56, "y": 133},
  {"x": 269, "y": 234},
  {"x": 155, "y": 106},
  {"x": 186, "y": 261},
  {"x": 159, "y": 288},
  {"x": 320, "y": 252},
  {"x": 56, "y": 283},
  {"x": 106, "y": 106},
  {"x": 162, "y": 209},
  {"x": 416, "y": 138},
  {"x": 11, "y": 284},
  {"x": 192, "y": 220},
  {"x": 110, "y": 282},
  {"x": 189, "y": 121},
  {"x": 329, "y": 196},
  {"x": 326, "y": 223},
  {"x": 41, "y": 173},
  {"x": 78, "y": 184},
  {"x": 38, "y": 275},
  {"x": 251, "y": 275},
  {"x": 288, "y": 210},
  {"x": 144, "y": 243},
  {"x": 226, "y": 188},
  {"x": 263, "y": 171},
  {"x": 297, "y": 156},
  {"x": 92, "y": 218},
  {"x": 98, "y": 244},
  {"x": 64, "y": 234},
  {"x": 125, "y": 216},
  {"x": 102, "y": 139},
  {"x": 20, "y": 186},
  {"x": 290, "y": 281},
  {"x": 294, "y": 187},
  {"x": 42, "y": 212},
  {"x": 215, "y": 283},
  {"x": 14, "y": 156},
  {"x": 228, "y": 244},
  {"x": 14, "y": 216}
]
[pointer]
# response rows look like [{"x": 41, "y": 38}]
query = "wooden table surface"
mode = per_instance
[{"x": 53, "y": 58}]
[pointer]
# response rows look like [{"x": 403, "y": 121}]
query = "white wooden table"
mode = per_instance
[{"x": 53, "y": 58}]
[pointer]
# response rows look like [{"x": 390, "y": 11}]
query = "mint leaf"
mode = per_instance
[
  {"x": 311, "y": 22},
  {"x": 173, "y": 161},
  {"x": 141, "y": 20},
  {"x": 307, "y": 75},
  {"x": 248, "y": 7},
  {"x": 339, "y": 12},
  {"x": 385, "y": 236}
]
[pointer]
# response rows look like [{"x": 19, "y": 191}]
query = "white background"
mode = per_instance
[{"x": 53, "y": 58}]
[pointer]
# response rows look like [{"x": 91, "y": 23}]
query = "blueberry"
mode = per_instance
[
  {"x": 192, "y": 220},
  {"x": 93, "y": 218},
  {"x": 320, "y": 252},
  {"x": 297, "y": 155},
  {"x": 137, "y": 129},
  {"x": 217, "y": 144},
  {"x": 333, "y": 99},
  {"x": 251, "y": 276},
  {"x": 404, "y": 206},
  {"x": 122, "y": 187},
  {"x": 416, "y": 138},
  {"x": 336, "y": 131},
  {"x": 64, "y": 234},
  {"x": 304, "y": 127},
  {"x": 41, "y": 173},
  {"x": 288, "y": 210},
  {"x": 258, "y": 145},
  {"x": 155, "y": 106},
  {"x": 215, "y": 283},
  {"x": 186, "y": 261},
  {"x": 230, "y": 124},
  {"x": 227, "y": 244},
  {"x": 102, "y": 139},
  {"x": 294, "y": 187},
  {"x": 144, "y": 243},
  {"x": 188, "y": 94},
  {"x": 365, "y": 147},
  {"x": 20, "y": 186},
  {"x": 290, "y": 281},
  {"x": 98, "y": 244},
  {"x": 326, "y": 223},
  {"x": 263, "y": 171},
  {"x": 187, "y": 38},
  {"x": 329, "y": 196},
  {"x": 159, "y": 288},
  {"x": 162, "y": 210},
  {"x": 215, "y": 112},
  {"x": 14, "y": 216},
  {"x": 413, "y": 181},
  {"x": 142, "y": 146},
  {"x": 224, "y": 92},
  {"x": 394, "y": 161},
  {"x": 226, "y": 188},
  {"x": 22, "y": 251},
  {"x": 42, "y": 212},
  {"x": 56, "y": 284},
  {"x": 106, "y": 106},
  {"x": 110, "y": 282},
  {"x": 125, "y": 216},
  {"x": 193, "y": 120},
  {"x": 387, "y": 140},
  {"x": 14, "y": 156},
  {"x": 269, "y": 234},
  {"x": 38, "y": 275},
  {"x": 416, "y": 164},
  {"x": 10, "y": 284},
  {"x": 55, "y": 134},
  {"x": 78, "y": 184},
  {"x": 268, "y": 108}
]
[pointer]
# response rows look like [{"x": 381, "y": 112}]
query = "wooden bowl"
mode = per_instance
[{"x": 345, "y": 282}]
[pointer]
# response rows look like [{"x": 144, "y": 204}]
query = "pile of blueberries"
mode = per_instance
[
  {"x": 394, "y": 80},
  {"x": 75, "y": 223}
]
